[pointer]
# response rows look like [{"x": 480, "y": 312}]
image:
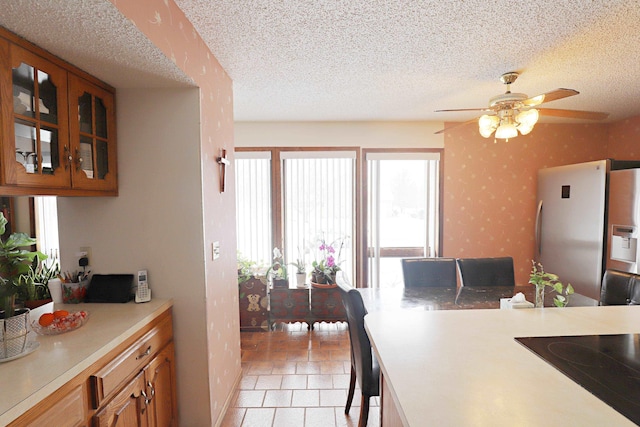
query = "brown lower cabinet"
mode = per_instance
[{"x": 134, "y": 385}]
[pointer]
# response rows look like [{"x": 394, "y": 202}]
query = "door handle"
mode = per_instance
[{"x": 538, "y": 231}]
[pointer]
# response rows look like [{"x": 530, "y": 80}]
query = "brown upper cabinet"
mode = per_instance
[{"x": 57, "y": 133}]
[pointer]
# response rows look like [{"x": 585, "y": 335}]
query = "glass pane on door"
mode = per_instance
[
  {"x": 49, "y": 147},
  {"x": 102, "y": 158},
  {"x": 23, "y": 90},
  {"x": 26, "y": 145},
  {"x": 402, "y": 214},
  {"x": 48, "y": 94},
  {"x": 101, "y": 118},
  {"x": 85, "y": 115},
  {"x": 86, "y": 154}
]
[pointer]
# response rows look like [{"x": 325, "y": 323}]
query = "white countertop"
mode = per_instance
[
  {"x": 29, "y": 379},
  {"x": 464, "y": 368}
]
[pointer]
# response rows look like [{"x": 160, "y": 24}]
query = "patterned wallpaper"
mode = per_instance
[
  {"x": 167, "y": 27},
  {"x": 624, "y": 139},
  {"x": 490, "y": 188}
]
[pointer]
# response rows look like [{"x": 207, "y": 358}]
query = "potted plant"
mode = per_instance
[
  {"x": 15, "y": 262},
  {"x": 324, "y": 271},
  {"x": 301, "y": 272},
  {"x": 277, "y": 273},
  {"x": 541, "y": 279},
  {"x": 35, "y": 290}
]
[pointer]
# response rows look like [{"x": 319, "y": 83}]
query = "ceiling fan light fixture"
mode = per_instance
[
  {"x": 506, "y": 130},
  {"x": 526, "y": 120},
  {"x": 487, "y": 124}
]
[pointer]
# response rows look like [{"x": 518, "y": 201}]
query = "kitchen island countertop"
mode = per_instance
[
  {"x": 464, "y": 367},
  {"x": 59, "y": 358}
]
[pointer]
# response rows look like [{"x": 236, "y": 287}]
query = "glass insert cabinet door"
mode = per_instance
[
  {"x": 92, "y": 134},
  {"x": 38, "y": 119}
]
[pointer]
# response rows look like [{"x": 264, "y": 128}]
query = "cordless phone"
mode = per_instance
[{"x": 143, "y": 293}]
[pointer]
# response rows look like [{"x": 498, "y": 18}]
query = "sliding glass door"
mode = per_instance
[{"x": 403, "y": 212}]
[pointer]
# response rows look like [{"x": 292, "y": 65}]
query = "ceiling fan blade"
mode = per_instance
[
  {"x": 574, "y": 114},
  {"x": 464, "y": 109},
  {"x": 447, "y": 129},
  {"x": 550, "y": 96}
]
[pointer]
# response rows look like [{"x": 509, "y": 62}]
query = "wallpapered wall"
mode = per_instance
[
  {"x": 490, "y": 188},
  {"x": 624, "y": 139},
  {"x": 166, "y": 26}
]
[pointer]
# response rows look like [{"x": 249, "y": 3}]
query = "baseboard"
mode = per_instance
[{"x": 229, "y": 400}]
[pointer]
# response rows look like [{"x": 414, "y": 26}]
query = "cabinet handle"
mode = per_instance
[
  {"x": 79, "y": 160},
  {"x": 146, "y": 402},
  {"x": 152, "y": 393},
  {"x": 68, "y": 158},
  {"x": 145, "y": 354}
]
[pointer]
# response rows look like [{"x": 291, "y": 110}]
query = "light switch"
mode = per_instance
[{"x": 215, "y": 249}]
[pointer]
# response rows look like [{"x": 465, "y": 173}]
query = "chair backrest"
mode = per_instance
[
  {"x": 361, "y": 354},
  {"x": 620, "y": 288},
  {"x": 486, "y": 271},
  {"x": 433, "y": 272}
]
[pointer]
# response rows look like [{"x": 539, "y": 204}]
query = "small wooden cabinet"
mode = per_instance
[
  {"x": 57, "y": 125},
  {"x": 254, "y": 304},
  {"x": 306, "y": 305},
  {"x": 135, "y": 385},
  {"x": 149, "y": 398},
  {"x": 290, "y": 305}
]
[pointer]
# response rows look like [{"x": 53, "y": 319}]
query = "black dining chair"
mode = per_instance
[
  {"x": 482, "y": 272},
  {"x": 620, "y": 288},
  {"x": 429, "y": 272},
  {"x": 364, "y": 366}
]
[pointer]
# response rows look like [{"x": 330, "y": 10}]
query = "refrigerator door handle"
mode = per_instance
[{"x": 538, "y": 231}]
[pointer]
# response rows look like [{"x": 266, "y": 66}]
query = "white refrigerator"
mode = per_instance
[{"x": 570, "y": 224}]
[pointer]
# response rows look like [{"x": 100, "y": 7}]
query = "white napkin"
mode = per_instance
[{"x": 519, "y": 297}]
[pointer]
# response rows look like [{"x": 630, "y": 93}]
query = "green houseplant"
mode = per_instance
[
  {"x": 35, "y": 289},
  {"x": 277, "y": 272},
  {"x": 541, "y": 279},
  {"x": 15, "y": 263}
]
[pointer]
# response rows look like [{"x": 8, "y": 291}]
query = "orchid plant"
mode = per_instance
[
  {"x": 278, "y": 269},
  {"x": 325, "y": 270}
]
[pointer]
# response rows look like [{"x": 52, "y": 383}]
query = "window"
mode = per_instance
[
  {"x": 254, "y": 206},
  {"x": 402, "y": 212},
  {"x": 291, "y": 198},
  {"x": 319, "y": 204},
  {"x": 46, "y": 220}
]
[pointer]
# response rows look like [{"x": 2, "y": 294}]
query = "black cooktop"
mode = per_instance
[{"x": 608, "y": 366}]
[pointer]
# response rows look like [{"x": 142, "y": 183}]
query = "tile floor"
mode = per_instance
[{"x": 293, "y": 377}]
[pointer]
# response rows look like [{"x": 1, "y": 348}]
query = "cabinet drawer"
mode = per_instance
[
  {"x": 107, "y": 380},
  {"x": 69, "y": 411}
]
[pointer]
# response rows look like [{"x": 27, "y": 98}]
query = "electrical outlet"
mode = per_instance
[
  {"x": 215, "y": 249},
  {"x": 87, "y": 253}
]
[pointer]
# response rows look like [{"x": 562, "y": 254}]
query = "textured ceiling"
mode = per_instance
[
  {"x": 94, "y": 36},
  {"x": 365, "y": 59},
  {"x": 401, "y": 60}
]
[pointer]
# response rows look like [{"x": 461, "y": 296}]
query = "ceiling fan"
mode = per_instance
[{"x": 512, "y": 113}]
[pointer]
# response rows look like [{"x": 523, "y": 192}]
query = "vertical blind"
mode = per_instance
[
  {"x": 253, "y": 205},
  {"x": 319, "y": 205}
]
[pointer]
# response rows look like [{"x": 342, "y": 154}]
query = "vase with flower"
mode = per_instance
[
  {"x": 542, "y": 279},
  {"x": 325, "y": 269}
]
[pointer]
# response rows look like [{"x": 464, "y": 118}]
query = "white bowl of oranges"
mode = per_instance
[{"x": 58, "y": 322}]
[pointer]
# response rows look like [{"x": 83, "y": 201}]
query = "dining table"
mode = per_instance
[
  {"x": 449, "y": 298},
  {"x": 452, "y": 357}
]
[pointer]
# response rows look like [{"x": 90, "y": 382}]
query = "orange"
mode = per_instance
[
  {"x": 60, "y": 313},
  {"x": 46, "y": 319}
]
